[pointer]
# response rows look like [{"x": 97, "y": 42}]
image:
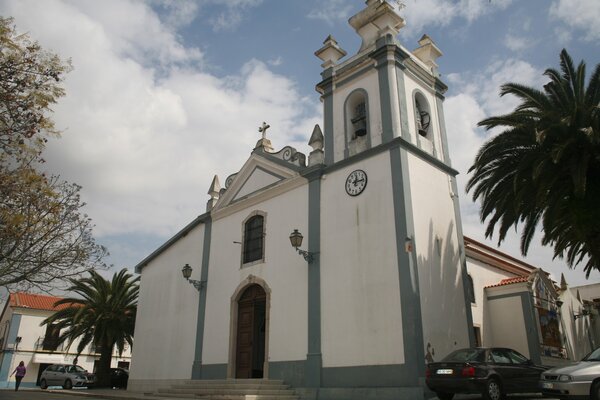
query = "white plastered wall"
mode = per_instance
[
  {"x": 443, "y": 306},
  {"x": 360, "y": 296},
  {"x": 165, "y": 329},
  {"x": 284, "y": 271},
  {"x": 507, "y": 327},
  {"x": 369, "y": 82},
  {"x": 483, "y": 275}
]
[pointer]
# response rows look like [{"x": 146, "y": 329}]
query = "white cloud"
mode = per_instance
[
  {"x": 516, "y": 43},
  {"x": 145, "y": 149},
  {"x": 233, "y": 15},
  {"x": 420, "y": 14},
  {"x": 582, "y": 15},
  {"x": 332, "y": 11}
]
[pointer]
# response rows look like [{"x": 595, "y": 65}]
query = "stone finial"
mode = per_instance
[
  {"x": 317, "y": 156},
  {"x": 428, "y": 52},
  {"x": 214, "y": 192},
  {"x": 330, "y": 53},
  {"x": 563, "y": 282},
  {"x": 316, "y": 139},
  {"x": 377, "y": 20}
]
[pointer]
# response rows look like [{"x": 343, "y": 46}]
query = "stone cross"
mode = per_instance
[
  {"x": 263, "y": 129},
  {"x": 400, "y": 5}
]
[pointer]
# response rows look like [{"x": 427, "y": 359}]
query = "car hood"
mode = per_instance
[{"x": 578, "y": 368}]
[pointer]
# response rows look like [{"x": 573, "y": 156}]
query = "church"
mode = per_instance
[{"x": 335, "y": 272}]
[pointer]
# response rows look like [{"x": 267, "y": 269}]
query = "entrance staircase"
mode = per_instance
[{"x": 228, "y": 389}]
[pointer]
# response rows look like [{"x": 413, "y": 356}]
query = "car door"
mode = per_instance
[
  {"x": 505, "y": 368},
  {"x": 528, "y": 375}
]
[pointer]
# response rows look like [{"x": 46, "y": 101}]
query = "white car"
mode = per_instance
[{"x": 576, "y": 380}]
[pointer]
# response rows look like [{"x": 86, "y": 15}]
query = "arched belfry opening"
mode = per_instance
[
  {"x": 422, "y": 116},
  {"x": 249, "y": 330}
]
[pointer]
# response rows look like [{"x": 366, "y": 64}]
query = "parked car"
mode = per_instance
[
  {"x": 119, "y": 377},
  {"x": 67, "y": 376},
  {"x": 493, "y": 372},
  {"x": 580, "y": 379}
]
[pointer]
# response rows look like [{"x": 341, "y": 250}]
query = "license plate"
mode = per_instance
[
  {"x": 547, "y": 385},
  {"x": 444, "y": 372}
]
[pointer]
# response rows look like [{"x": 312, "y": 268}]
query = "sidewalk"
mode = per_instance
[{"x": 116, "y": 394}]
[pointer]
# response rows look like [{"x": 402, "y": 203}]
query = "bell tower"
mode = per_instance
[{"x": 382, "y": 92}]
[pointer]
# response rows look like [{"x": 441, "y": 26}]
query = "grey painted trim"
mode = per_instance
[
  {"x": 410, "y": 301},
  {"x": 443, "y": 136},
  {"x": 463, "y": 260},
  {"x": 234, "y": 199},
  {"x": 314, "y": 357},
  {"x": 197, "y": 366},
  {"x": 279, "y": 161},
  {"x": 347, "y": 132},
  {"x": 214, "y": 371},
  {"x": 393, "y": 375},
  {"x": 182, "y": 233},
  {"x": 326, "y": 88},
  {"x": 15, "y": 323},
  {"x": 531, "y": 328},
  {"x": 395, "y": 143},
  {"x": 343, "y": 82},
  {"x": 400, "y": 84},
  {"x": 291, "y": 372},
  {"x": 385, "y": 97}
]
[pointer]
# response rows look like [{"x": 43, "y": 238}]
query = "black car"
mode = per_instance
[
  {"x": 493, "y": 372},
  {"x": 119, "y": 377}
]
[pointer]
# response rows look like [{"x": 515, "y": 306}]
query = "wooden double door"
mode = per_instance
[{"x": 251, "y": 330}]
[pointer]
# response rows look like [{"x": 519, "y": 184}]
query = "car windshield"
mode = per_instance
[
  {"x": 593, "y": 356},
  {"x": 74, "y": 368},
  {"x": 465, "y": 355}
]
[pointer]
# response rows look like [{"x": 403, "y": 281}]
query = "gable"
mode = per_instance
[
  {"x": 259, "y": 178},
  {"x": 261, "y": 172}
]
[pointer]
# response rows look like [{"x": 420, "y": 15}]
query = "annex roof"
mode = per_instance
[
  {"x": 35, "y": 301},
  {"x": 510, "y": 281}
]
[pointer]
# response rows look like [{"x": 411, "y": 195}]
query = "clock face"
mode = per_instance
[{"x": 356, "y": 182}]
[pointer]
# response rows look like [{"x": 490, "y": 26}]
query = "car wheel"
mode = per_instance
[
  {"x": 444, "y": 396},
  {"x": 493, "y": 390},
  {"x": 595, "y": 392},
  {"x": 43, "y": 384},
  {"x": 68, "y": 385}
]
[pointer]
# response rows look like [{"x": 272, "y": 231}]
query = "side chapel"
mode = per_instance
[{"x": 375, "y": 274}]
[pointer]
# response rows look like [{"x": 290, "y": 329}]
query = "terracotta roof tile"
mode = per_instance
[
  {"x": 509, "y": 281},
  {"x": 35, "y": 301}
]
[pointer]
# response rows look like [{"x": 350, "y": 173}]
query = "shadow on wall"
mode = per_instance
[{"x": 443, "y": 304}]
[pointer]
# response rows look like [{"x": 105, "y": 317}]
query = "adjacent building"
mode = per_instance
[{"x": 23, "y": 338}]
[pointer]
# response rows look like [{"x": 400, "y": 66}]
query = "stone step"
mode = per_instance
[
  {"x": 225, "y": 391},
  {"x": 235, "y": 382},
  {"x": 222, "y": 397},
  {"x": 227, "y": 386}
]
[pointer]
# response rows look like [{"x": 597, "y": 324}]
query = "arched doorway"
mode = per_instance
[{"x": 251, "y": 333}]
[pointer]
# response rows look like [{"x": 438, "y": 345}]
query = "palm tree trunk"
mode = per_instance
[{"x": 103, "y": 370}]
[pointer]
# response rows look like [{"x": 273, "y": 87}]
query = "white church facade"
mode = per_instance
[{"x": 380, "y": 276}]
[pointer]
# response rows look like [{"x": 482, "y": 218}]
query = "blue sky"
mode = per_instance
[{"x": 164, "y": 94}]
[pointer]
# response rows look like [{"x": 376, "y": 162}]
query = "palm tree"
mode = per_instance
[
  {"x": 103, "y": 314},
  {"x": 544, "y": 167}
]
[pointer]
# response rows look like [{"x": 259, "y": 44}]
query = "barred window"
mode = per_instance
[{"x": 253, "y": 239}]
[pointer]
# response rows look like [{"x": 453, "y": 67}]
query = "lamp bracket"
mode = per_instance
[
  {"x": 308, "y": 256},
  {"x": 197, "y": 284}
]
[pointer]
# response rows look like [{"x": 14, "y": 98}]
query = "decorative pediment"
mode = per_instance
[{"x": 262, "y": 171}]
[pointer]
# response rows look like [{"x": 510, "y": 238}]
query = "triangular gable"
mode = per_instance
[
  {"x": 259, "y": 178},
  {"x": 260, "y": 172}
]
